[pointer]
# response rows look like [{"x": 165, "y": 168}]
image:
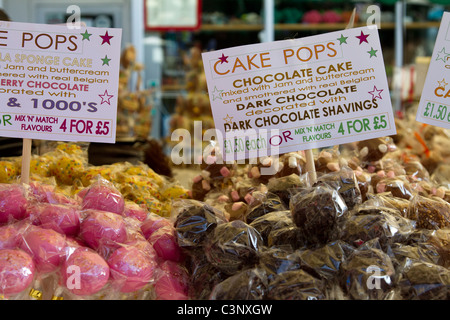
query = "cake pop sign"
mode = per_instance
[
  {"x": 434, "y": 105},
  {"x": 59, "y": 83},
  {"x": 299, "y": 94}
]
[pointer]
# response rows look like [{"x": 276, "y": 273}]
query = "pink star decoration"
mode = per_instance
[
  {"x": 106, "y": 38},
  {"x": 376, "y": 94},
  {"x": 106, "y": 97},
  {"x": 363, "y": 37},
  {"x": 223, "y": 59}
]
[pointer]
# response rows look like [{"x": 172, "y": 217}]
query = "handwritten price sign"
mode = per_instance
[{"x": 58, "y": 83}]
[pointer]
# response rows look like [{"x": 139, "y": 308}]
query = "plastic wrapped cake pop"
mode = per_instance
[
  {"x": 194, "y": 222},
  {"x": 131, "y": 268},
  {"x": 164, "y": 242},
  {"x": 16, "y": 272},
  {"x": 9, "y": 237},
  {"x": 102, "y": 195},
  {"x": 102, "y": 228},
  {"x": 13, "y": 202},
  {"x": 153, "y": 223},
  {"x": 317, "y": 212},
  {"x": 171, "y": 282},
  {"x": 62, "y": 218},
  {"x": 135, "y": 210},
  {"x": 93, "y": 273},
  {"x": 233, "y": 246}
]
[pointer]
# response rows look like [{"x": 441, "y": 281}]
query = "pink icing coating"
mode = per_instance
[
  {"x": 135, "y": 211},
  {"x": 9, "y": 237},
  {"x": 165, "y": 244},
  {"x": 16, "y": 271},
  {"x": 13, "y": 202},
  {"x": 171, "y": 283},
  {"x": 131, "y": 268},
  {"x": 62, "y": 218},
  {"x": 152, "y": 224},
  {"x": 93, "y": 271},
  {"x": 102, "y": 227},
  {"x": 103, "y": 197},
  {"x": 46, "y": 246}
]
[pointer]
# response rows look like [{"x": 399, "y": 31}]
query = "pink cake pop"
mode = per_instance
[
  {"x": 131, "y": 268},
  {"x": 102, "y": 195},
  {"x": 102, "y": 228},
  {"x": 13, "y": 202},
  {"x": 134, "y": 210},
  {"x": 171, "y": 282},
  {"x": 62, "y": 218},
  {"x": 46, "y": 246},
  {"x": 93, "y": 272},
  {"x": 153, "y": 223},
  {"x": 9, "y": 237},
  {"x": 165, "y": 244},
  {"x": 46, "y": 193},
  {"x": 16, "y": 271}
]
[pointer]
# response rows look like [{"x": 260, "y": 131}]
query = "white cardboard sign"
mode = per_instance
[
  {"x": 434, "y": 105},
  {"x": 303, "y": 93},
  {"x": 58, "y": 83}
]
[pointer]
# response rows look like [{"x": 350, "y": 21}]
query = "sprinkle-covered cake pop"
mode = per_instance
[
  {"x": 131, "y": 268},
  {"x": 9, "y": 237},
  {"x": 102, "y": 227},
  {"x": 13, "y": 202},
  {"x": 93, "y": 271},
  {"x": 102, "y": 195},
  {"x": 46, "y": 246},
  {"x": 171, "y": 282},
  {"x": 64, "y": 219},
  {"x": 16, "y": 271}
]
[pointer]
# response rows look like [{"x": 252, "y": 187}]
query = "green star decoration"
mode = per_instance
[
  {"x": 217, "y": 94},
  {"x": 105, "y": 60},
  {"x": 372, "y": 52},
  {"x": 342, "y": 39},
  {"x": 86, "y": 35},
  {"x": 443, "y": 53}
]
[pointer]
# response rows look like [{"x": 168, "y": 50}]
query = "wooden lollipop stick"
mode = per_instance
[
  {"x": 26, "y": 160},
  {"x": 351, "y": 21},
  {"x": 310, "y": 167}
]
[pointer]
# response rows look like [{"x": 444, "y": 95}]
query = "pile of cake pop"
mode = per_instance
[
  {"x": 95, "y": 245},
  {"x": 373, "y": 224}
]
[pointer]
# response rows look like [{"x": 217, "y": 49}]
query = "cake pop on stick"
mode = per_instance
[
  {"x": 102, "y": 230},
  {"x": 131, "y": 268},
  {"x": 102, "y": 195},
  {"x": 9, "y": 237},
  {"x": 13, "y": 202},
  {"x": 47, "y": 248},
  {"x": 17, "y": 271},
  {"x": 84, "y": 273},
  {"x": 62, "y": 218},
  {"x": 171, "y": 282}
]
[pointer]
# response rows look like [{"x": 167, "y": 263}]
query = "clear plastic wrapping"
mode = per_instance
[
  {"x": 264, "y": 203},
  {"x": 17, "y": 271},
  {"x": 14, "y": 200},
  {"x": 368, "y": 273},
  {"x": 195, "y": 222},
  {"x": 344, "y": 181},
  {"x": 233, "y": 246},
  {"x": 249, "y": 284},
  {"x": 429, "y": 213},
  {"x": 317, "y": 211}
]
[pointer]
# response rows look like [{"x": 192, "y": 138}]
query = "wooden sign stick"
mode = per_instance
[
  {"x": 26, "y": 161},
  {"x": 310, "y": 166}
]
